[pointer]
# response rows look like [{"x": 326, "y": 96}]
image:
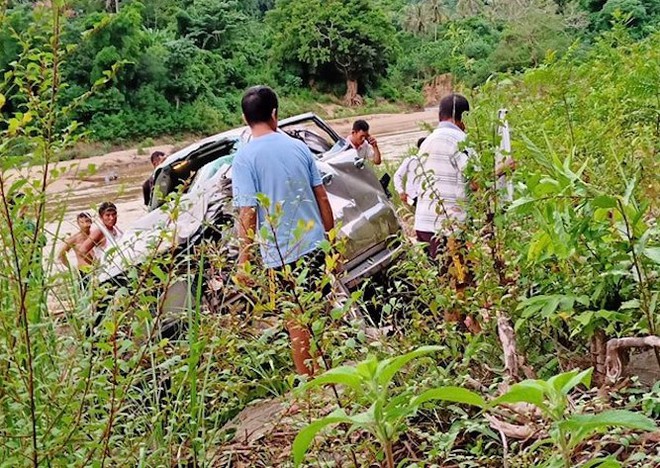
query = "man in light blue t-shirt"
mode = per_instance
[{"x": 278, "y": 190}]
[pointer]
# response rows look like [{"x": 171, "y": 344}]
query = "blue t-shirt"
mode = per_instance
[{"x": 283, "y": 170}]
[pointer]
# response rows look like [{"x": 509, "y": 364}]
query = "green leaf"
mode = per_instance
[
  {"x": 13, "y": 126},
  {"x": 453, "y": 394},
  {"x": 566, "y": 381},
  {"x": 581, "y": 426},
  {"x": 653, "y": 253},
  {"x": 520, "y": 202},
  {"x": 630, "y": 187},
  {"x": 609, "y": 462},
  {"x": 527, "y": 391},
  {"x": 305, "y": 437},
  {"x": 343, "y": 375},
  {"x": 389, "y": 367},
  {"x": 631, "y": 304},
  {"x": 538, "y": 246},
  {"x": 2, "y": 100},
  {"x": 604, "y": 201},
  {"x": 159, "y": 273}
]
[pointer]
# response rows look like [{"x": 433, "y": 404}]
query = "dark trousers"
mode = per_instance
[
  {"x": 452, "y": 261},
  {"x": 286, "y": 275},
  {"x": 435, "y": 244}
]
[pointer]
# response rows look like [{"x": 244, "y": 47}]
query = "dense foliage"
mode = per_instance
[{"x": 183, "y": 64}]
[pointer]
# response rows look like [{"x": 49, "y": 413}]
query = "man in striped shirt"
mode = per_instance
[{"x": 440, "y": 208}]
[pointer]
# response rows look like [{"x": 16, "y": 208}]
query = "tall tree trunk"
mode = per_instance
[{"x": 352, "y": 98}]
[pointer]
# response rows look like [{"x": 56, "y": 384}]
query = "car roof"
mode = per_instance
[{"x": 233, "y": 134}]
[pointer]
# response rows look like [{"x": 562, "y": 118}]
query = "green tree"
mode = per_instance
[
  {"x": 353, "y": 37},
  {"x": 210, "y": 24}
]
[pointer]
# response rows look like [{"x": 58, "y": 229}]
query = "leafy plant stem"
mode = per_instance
[
  {"x": 565, "y": 451},
  {"x": 643, "y": 287},
  {"x": 389, "y": 455}
]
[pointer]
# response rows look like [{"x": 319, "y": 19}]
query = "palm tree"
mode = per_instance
[
  {"x": 414, "y": 18},
  {"x": 438, "y": 13},
  {"x": 468, "y": 8}
]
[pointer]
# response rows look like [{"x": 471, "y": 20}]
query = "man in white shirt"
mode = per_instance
[
  {"x": 407, "y": 178},
  {"x": 440, "y": 203},
  {"x": 365, "y": 144}
]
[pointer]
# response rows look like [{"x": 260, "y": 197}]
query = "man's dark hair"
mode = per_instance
[
  {"x": 107, "y": 206},
  {"x": 84, "y": 215},
  {"x": 156, "y": 154},
  {"x": 453, "y": 106},
  {"x": 360, "y": 125},
  {"x": 420, "y": 141},
  {"x": 258, "y": 104}
]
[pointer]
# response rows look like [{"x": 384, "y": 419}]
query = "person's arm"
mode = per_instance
[
  {"x": 375, "y": 150},
  {"x": 246, "y": 226},
  {"x": 94, "y": 239},
  {"x": 320, "y": 194},
  {"x": 324, "y": 207},
  {"x": 244, "y": 189},
  {"x": 398, "y": 179},
  {"x": 68, "y": 243},
  {"x": 146, "y": 190}
]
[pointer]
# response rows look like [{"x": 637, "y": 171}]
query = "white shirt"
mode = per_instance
[
  {"x": 111, "y": 238},
  {"x": 364, "y": 151},
  {"x": 442, "y": 194},
  {"x": 407, "y": 178}
]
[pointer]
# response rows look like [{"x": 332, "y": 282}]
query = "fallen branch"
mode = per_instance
[
  {"x": 614, "y": 362},
  {"x": 513, "y": 431},
  {"x": 514, "y": 362},
  {"x": 508, "y": 339}
]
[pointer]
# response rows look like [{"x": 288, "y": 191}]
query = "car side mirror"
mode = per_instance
[
  {"x": 359, "y": 163},
  {"x": 326, "y": 178}
]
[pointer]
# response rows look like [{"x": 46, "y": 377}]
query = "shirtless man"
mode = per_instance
[
  {"x": 76, "y": 240},
  {"x": 97, "y": 241}
]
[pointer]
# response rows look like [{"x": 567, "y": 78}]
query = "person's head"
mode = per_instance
[
  {"x": 452, "y": 108},
  {"x": 259, "y": 105},
  {"x": 420, "y": 141},
  {"x": 157, "y": 157},
  {"x": 108, "y": 214},
  {"x": 84, "y": 222},
  {"x": 360, "y": 132}
]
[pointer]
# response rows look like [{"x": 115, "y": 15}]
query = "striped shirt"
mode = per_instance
[{"x": 442, "y": 192}]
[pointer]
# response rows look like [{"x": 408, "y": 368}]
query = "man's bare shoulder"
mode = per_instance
[
  {"x": 96, "y": 234},
  {"x": 77, "y": 238}
]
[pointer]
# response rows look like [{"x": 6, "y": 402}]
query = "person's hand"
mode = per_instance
[
  {"x": 372, "y": 141},
  {"x": 404, "y": 197}
]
